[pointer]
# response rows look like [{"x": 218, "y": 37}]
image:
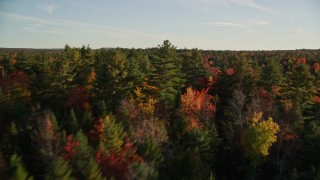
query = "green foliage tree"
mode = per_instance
[
  {"x": 60, "y": 170},
  {"x": 200, "y": 140},
  {"x": 272, "y": 74},
  {"x": 151, "y": 152},
  {"x": 144, "y": 171},
  {"x": 192, "y": 67},
  {"x": 299, "y": 90},
  {"x": 73, "y": 125},
  {"x": 46, "y": 142},
  {"x": 178, "y": 123},
  {"x": 93, "y": 172},
  {"x": 246, "y": 76},
  {"x": 111, "y": 80},
  {"x": 111, "y": 133},
  {"x": 19, "y": 171},
  {"x": 139, "y": 68},
  {"x": 84, "y": 164},
  {"x": 166, "y": 74}
]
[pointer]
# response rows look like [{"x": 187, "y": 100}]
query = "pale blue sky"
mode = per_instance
[{"x": 203, "y": 24}]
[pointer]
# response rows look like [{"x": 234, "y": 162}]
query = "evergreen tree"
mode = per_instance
[
  {"x": 299, "y": 90},
  {"x": 192, "y": 67},
  {"x": 46, "y": 142},
  {"x": 300, "y": 85},
  {"x": 111, "y": 83},
  {"x": 143, "y": 171},
  {"x": 139, "y": 68},
  {"x": 166, "y": 74},
  {"x": 19, "y": 172},
  {"x": 272, "y": 74},
  {"x": 83, "y": 163},
  {"x": 60, "y": 170},
  {"x": 92, "y": 172},
  {"x": 73, "y": 125},
  {"x": 151, "y": 153},
  {"x": 111, "y": 133},
  {"x": 87, "y": 121},
  {"x": 178, "y": 123}
]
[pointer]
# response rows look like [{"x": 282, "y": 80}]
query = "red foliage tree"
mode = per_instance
[
  {"x": 230, "y": 71},
  {"x": 316, "y": 67},
  {"x": 117, "y": 164},
  {"x": 69, "y": 152},
  {"x": 20, "y": 78},
  {"x": 265, "y": 97},
  {"x": 78, "y": 97}
]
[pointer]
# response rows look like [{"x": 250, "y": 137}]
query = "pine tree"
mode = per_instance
[
  {"x": 178, "y": 122},
  {"x": 73, "y": 125},
  {"x": 300, "y": 85},
  {"x": 150, "y": 152},
  {"x": 60, "y": 170},
  {"x": 166, "y": 74},
  {"x": 87, "y": 121},
  {"x": 143, "y": 171},
  {"x": 299, "y": 90},
  {"x": 111, "y": 133},
  {"x": 46, "y": 142},
  {"x": 139, "y": 68},
  {"x": 193, "y": 68},
  {"x": 111, "y": 83},
  {"x": 83, "y": 163},
  {"x": 195, "y": 150},
  {"x": 19, "y": 171},
  {"x": 93, "y": 172},
  {"x": 272, "y": 74},
  {"x": 102, "y": 108}
]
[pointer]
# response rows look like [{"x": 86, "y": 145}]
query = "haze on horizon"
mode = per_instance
[{"x": 203, "y": 24}]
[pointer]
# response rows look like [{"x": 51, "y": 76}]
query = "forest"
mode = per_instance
[{"x": 159, "y": 113}]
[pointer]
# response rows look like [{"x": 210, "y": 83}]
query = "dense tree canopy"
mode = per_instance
[{"x": 159, "y": 113}]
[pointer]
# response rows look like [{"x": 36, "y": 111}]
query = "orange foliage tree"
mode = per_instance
[{"x": 197, "y": 106}]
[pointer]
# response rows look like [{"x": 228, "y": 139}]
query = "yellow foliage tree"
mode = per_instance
[
  {"x": 140, "y": 110},
  {"x": 259, "y": 137}
]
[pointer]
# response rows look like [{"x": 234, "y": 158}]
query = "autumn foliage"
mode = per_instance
[
  {"x": 198, "y": 107},
  {"x": 259, "y": 137},
  {"x": 159, "y": 113},
  {"x": 117, "y": 164},
  {"x": 69, "y": 151}
]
